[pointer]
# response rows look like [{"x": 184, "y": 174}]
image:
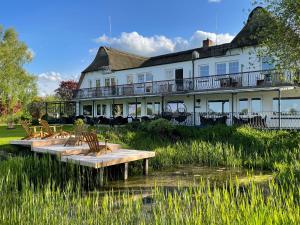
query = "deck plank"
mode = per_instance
[{"x": 112, "y": 158}]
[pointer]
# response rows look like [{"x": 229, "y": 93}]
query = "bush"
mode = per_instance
[
  {"x": 79, "y": 122},
  {"x": 161, "y": 127}
]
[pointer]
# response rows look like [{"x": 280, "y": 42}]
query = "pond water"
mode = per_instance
[{"x": 186, "y": 176}]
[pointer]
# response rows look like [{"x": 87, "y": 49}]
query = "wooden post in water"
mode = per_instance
[
  {"x": 125, "y": 172},
  {"x": 101, "y": 176},
  {"x": 145, "y": 165}
]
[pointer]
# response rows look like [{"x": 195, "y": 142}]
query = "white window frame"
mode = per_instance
[
  {"x": 131, "y": 78},
  {"x": 238, "y": 67},
  {"x": 216, "y": 66},
  {"x": 199, "y": 70}
]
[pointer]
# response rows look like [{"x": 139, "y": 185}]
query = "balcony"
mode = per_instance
[{"x": 253, "y": 79}]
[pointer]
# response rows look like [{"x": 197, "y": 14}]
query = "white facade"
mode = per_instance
[
  {"x": 207, "y": 95},
  {"x": 245, "y": 57}
]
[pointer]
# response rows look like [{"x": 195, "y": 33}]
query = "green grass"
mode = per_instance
[
  {"x": 206, "y": 204},
  {"x": 46, "y": 191}
]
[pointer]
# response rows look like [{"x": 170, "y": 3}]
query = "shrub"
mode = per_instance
[{"x": 79, "y": 122}]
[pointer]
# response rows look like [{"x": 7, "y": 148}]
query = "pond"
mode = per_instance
[{"x": 188, "y": 175}]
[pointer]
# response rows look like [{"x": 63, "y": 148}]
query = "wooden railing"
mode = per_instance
[{"x": 253, "y": 79}]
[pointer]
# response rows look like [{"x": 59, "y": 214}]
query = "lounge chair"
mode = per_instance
[
  {"x": 30, "y": 133},
  {"x": 95, "y": 147},
  {"x": 51, "y": 131},
  {"x": 76, "y": 137}
]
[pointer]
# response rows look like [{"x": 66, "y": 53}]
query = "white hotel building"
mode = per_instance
[{"x": 225, "y": 83}]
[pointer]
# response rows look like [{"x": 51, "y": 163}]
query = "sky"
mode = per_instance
[{"x": 64, "y": 35}]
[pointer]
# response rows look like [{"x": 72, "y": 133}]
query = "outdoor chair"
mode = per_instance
[
  {"x": 76, "y": 137},
  {"x": 94, "y": 146},
  {"x": 30, "y": 133},
  {"x": 51, "y": 131},
  {"x": 258, "y": 122}
]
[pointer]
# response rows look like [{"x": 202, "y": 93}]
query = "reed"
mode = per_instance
[{"x": 205, "y": 204}]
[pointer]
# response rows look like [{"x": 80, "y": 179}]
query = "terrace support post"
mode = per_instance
[
  {"x": 136, "y": 108},
  {"x": 162, "y": 104},
  {"x": 145, "y": 167},
  {"x": 79, "y": 108},
  {"x": 125, "y": 172},
  {"x": 113, "y": 107},
  {"x": 279, "y": 109},
  {"x": 93, "y": 109},
  {"x": 232, "y": 109},
  {"x": 101, "y": 176},
  {"x": 194, "y": 113},
  {"x": 60, "y": 112},
  {"x": 193, "y": 65}
]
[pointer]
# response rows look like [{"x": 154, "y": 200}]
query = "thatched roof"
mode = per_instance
[{"x": 115, "y": 60}]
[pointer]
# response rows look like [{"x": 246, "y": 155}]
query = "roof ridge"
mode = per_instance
[{"x": 124, "y": 52}]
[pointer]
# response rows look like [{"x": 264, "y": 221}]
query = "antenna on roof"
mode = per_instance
[
  {"x": 109, "y": 20},
  {"x": 216, "y": 28}
]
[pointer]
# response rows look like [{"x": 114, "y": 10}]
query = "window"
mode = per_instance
[
  {"x": 156, "y": 108},
  {"x": 113, "y": 81},
  {"x": 176, "y": 106},
  {"x": 204, "y": 70},
  {"x": 90, "y": 83},
  {"x": 141, "y": 78},
  {"x": 129, "y": 79},
  {"x": 267, "y": 63},
  {"x": 107, "y": 82},
  {"x": 110, "y": 82},
  {"x": 218, "y": 106},
  {"x": 87, "y": 110},
  {"x": 97, "y": 83},
  {"x": 255, "y": 105},
  {"x": 169, "y": 74},
  {"x": 291, "y": 105},
  {"x": 98, "y": 109},
  {"x": 134, "y": 109},
  {"x": 149, "y": 77},
  {"x": 221, "y": 68},
  {"x": 118, "y": 109},
  {"x": 234, "y": 67},
  {"x": 149, "y": 109},
  {"x": 243, "y": 105},
  {"x": 104, "y": 109}
]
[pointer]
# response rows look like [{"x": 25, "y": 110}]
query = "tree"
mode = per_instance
[
  {"x": 16, "y": 86},
  {"x": 279, "y": 36},
  {"x": 66, "y": 89},
  {"x": 36, "y": 108}
]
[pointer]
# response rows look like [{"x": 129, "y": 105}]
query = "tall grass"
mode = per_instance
[
  {"x": 206, "y": 204},
  {"x": 214, "y": 146}
]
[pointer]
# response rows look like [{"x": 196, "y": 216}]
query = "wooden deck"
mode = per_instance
[
  {"x": 77, "y": 154},
  {"x": 39, "y": 142},
  {"x": 115, "y": 157}
]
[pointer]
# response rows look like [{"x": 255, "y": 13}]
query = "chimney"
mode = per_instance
[{"x": 207, "y": 43}]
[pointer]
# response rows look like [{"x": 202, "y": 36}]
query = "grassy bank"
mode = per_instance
[
  {"x": 213, "y": 146},
  {"x": 45, "y": 191},
  {"x": 229, "y": 204}
]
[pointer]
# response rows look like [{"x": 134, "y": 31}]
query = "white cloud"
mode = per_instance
[
  {"x": 214, "y": 1},
  {"x": 49, "y": 81},
  {"x": 159, "y": 44}
]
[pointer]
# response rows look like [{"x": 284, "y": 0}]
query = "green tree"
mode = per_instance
[
  {"x": 16, "y": 86},
  {"x": 279, "y": 36}
]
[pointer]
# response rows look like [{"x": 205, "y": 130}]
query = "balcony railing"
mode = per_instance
[
  {"x": 262, "y": 120},
  {"x": 253, "y": 79}
]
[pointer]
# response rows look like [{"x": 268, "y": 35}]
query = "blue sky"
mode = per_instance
[{"x": 64, "y": 35}]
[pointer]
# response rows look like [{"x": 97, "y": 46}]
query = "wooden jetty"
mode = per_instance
[{"x": 77, "y": 155}]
